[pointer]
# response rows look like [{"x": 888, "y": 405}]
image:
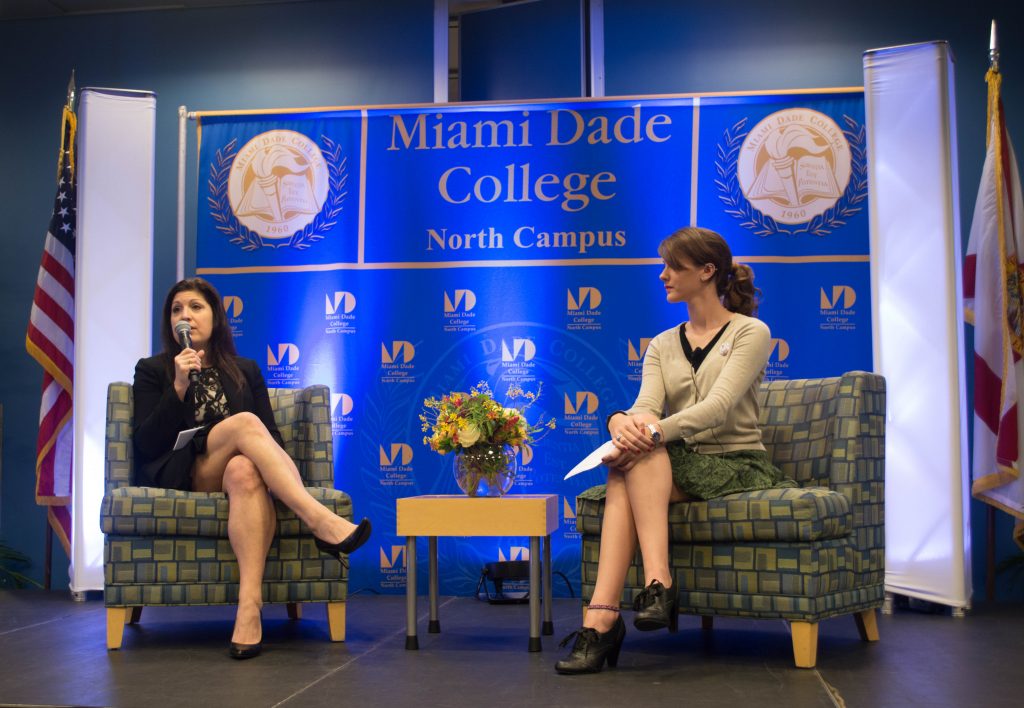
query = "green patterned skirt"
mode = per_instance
[
  {"x": 709, "y": 476},
  {"x": 706, "y": 476}
]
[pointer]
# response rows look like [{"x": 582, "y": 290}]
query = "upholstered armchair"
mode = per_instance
[
  {"x": 803, "y": 554},
  {"x": 168, "y": 547}
]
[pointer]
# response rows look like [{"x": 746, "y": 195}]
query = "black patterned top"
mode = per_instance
[{"x": 211, "y": 405}]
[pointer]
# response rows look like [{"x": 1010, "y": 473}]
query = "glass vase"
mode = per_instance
[{"x": 485, "y": 470}]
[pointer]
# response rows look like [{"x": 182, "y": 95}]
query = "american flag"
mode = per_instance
[{"x": 51, "y": 341}]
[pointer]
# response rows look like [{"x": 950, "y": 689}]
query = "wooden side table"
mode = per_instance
[{"x": 533, "y": 515}]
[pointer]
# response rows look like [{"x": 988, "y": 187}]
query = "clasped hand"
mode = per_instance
[{"x": 631, "y": 439}]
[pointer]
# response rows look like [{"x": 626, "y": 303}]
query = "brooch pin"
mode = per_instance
[{"x": 725, "y": 348}]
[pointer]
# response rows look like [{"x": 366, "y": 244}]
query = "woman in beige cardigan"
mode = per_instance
[{"x": 691, "y": 434}]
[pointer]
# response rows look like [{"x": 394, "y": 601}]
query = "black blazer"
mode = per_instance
[{"x": 159, "y": 416}]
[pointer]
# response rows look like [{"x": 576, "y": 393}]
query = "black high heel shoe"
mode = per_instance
[
  {"x": 592, "y": 648},
  {"x": 359, "y": 536},
  {"x": 246, "y": 651},
  {"x": 657, "y": 607}
]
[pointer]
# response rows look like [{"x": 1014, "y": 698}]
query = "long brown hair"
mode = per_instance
[
  {"x": 734, "y": 282},
  {"x": 220, "y": 350}
]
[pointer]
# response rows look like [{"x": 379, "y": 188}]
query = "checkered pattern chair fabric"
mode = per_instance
[
  {"x": 169, "y": 547},
  {"x": 801, "y": 554}
]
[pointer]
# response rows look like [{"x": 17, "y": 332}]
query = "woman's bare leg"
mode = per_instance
[
  {"x": 245, "y": 434},
  {"x": 650, "y": 488},
  {"x": 251, "y": 523},
  {"x": 618, "y": 544}
]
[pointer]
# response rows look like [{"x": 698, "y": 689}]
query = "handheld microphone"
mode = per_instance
[{"x": 184, "y": 331}]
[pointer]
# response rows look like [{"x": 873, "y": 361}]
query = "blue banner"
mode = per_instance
[{"x": 400, "y": 253}]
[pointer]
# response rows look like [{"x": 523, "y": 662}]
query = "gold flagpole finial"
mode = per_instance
[
  {"x": 71, "y": 90},
  {"x": 993, "y": 48},
  {"x": 68, "y": 127}
]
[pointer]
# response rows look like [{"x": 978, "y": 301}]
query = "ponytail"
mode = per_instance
[{"x": 738, "y": 292}]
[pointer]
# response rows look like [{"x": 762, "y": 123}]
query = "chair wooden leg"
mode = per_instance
[
  {"x": 294, "y": 611},
  {"x": 336, "y": 620},
  {"x": 867, "y": 625},
  {"x": 134, "y": 616},
  {"x": 707, "y": 622},
  {"x": 116, "y": 617},
  {"x": 805, "y": 643}
]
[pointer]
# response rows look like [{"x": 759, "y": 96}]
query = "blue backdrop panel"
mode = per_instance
[
  {"x": 420, "y": 255},
  {"x": 617, "y": 170}
]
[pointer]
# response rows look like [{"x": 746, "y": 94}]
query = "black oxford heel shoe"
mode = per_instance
[
  {"x": 592, "y": 649},
  {"x": 657, "y": 607}
]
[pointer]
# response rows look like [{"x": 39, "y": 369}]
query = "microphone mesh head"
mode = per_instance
[{"x": 183, "y": 331}]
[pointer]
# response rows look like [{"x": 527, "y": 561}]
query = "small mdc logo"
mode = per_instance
[
  {"x": 397, "y": 455},
  {"x": 569, "y": 520},
  {"x": 522, "y": 350},
  {"x": 635, "y": 351},
  {"x": 582, "y": 309},
  {"x": 580, "y": 408},
  {"x": 395, "y": 467},
  {"x": 287, "y": 354},
  {"x": 585, "y": 403},
  {"x": 842, "y": 295},
  {"x": 392, "y": 566},
  {"x": 515, "y": 553},
  {"x": 341, "y": 414},
  {"x": 777, "y": 364},
  {"x": 400, "y": 352},
  {"x": 338, "y": 309},
  {"x": 396, "y": 362},
  {"x": 836, "y": 312},
  {"x": 393, "y": 560},
  {"x": 459, "y": 301},
  {"x": 779, "y": 350},
  {"x": 341, "y": 300},
  {"x": 585, "y": 299},
  {"x": 233, "y": 306},
  {"x": 458, "y": 310},
  {"x": 341, "y": 403}
]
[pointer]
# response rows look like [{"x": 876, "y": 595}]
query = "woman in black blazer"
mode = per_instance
[{"x": 237, "y": 448}]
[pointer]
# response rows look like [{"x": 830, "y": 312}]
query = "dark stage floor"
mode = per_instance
[{"x": 52, "y": 652}]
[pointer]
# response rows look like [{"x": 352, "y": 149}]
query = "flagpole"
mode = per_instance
[{"x": 990, "y": 511}]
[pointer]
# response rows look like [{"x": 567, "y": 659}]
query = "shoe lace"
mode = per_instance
[
  {"x": 647, "y": 597},
  {"x": 585, "y": 638}
]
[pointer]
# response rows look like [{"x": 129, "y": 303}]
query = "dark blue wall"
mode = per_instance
[
  {"x": 365, "y": 52},
  {"x": 521, "y": 51}
]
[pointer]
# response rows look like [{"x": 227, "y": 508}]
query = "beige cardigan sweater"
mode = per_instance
[{"x": 714, "y": 409}]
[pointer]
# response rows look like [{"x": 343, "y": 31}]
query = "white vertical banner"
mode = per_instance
[
  {"x": 917, "y": 302},
  {"x": 114, "y": 285}
]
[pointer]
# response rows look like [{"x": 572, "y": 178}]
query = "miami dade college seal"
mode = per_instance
[
  {"x": 795, "y": 168},
  {"x": 280, "y": 189}
]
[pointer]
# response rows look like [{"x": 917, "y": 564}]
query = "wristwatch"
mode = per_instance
[{"x": 655, "y": 433}]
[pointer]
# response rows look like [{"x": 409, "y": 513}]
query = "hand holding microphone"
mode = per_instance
[{"x": 183, "y": 330}]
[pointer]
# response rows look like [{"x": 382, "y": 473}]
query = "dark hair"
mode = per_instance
[
  {"x": 220, "y": 350},
  {"x": 734, "y": 282}
]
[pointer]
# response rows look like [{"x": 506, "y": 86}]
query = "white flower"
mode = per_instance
[{"x": 469, "y": 435}]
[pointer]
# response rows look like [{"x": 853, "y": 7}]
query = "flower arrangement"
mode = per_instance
[
  {"x": 460, "y": 420},
  {"x": 476, "y": 424}
]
